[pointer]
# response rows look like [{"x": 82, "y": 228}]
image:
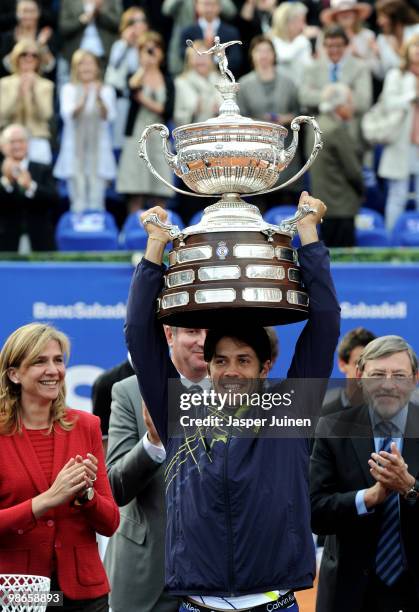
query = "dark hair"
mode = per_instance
[
  {"x": 256, "y": 338},
  {"x": 273, "y": 339},
  {"x": 258, "y": 40},
  {"x": 397, "y": 11},
  {"x": 355, "y": 337},
  {"x": 335, "y": 31}
]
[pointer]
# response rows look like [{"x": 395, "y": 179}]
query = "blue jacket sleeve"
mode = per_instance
[
  {"x": 315, "y": 348},
  {"x": 147, "y": 343}
]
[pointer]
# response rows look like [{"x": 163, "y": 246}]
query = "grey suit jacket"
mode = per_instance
[
  {"x": 71, "y": 30},
  {"x": 354, "y": 73},
  {"x": 134, "y": 558}
]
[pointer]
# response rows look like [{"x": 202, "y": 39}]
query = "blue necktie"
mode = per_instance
[
  {"x": 389, "y": 557},
  {"x": 334, "y": 73}
]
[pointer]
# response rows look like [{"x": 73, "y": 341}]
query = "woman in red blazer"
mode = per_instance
[{"x": 54, "y": 491}]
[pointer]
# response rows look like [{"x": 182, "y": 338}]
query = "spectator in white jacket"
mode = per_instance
[
  {"x": 87, "y": 108},
  {"x": 400, "y": 159}
]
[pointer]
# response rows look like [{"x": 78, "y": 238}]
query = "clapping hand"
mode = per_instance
[
  {"x": 90, "y": 465},
  {"x": 391, "y": 470}
]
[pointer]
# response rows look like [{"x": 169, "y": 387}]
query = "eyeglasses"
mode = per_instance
[
  {"x": 385, "y": 375},
  {"x": 149, "y": 49},
  {"x": 334, "y": 45},
  {"x": 29, "y": 54}
]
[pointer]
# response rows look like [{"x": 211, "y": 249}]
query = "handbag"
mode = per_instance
[{"x": 380, "y": 125}]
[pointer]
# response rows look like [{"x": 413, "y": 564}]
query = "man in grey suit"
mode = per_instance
[
  {"x": 336, "y": 65},
  {"x": 134, "y": 558}
]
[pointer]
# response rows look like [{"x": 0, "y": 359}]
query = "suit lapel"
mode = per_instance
[
  {"x": 411, "y": 441},
  {"x": 29, "y": 459},
  {"x": 364, "y": 446}
]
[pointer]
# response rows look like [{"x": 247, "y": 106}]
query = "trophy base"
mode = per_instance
[
  {"x": 232, "y": 277},
  {"x": 234, "y": 316}
]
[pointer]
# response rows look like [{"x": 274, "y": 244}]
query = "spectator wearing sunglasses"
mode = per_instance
[{"x": 27, "y": 99}]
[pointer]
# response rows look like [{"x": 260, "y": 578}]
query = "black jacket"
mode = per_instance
[{"x": 339, "y": 468}]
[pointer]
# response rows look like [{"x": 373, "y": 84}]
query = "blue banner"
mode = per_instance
[{"x": 88, "y": 301}]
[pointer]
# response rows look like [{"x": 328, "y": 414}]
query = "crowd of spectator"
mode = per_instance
[{"x": 84, "y": 77}]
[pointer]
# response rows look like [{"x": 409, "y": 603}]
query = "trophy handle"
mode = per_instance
[
  {"x": 170, "y": 158},
  {"x": 173, "y": 230},
  {"x": 289, "y": 225},
  {"x": 290, "y": 152}
]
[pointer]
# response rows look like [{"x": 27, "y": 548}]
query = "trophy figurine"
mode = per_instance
[{"x": 232, "y": 263}]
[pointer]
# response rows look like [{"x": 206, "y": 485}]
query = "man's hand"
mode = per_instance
[
  {"x": 391, "y": 470},
  {"x": 307, "y": 229},
  {"x": 24, "y": 179},
  {"x": 375, "y": 495},
  {"x": 44, "y": 35},
  {"x": 157, "y": 237},
  {"x": 10, "y": 169}
]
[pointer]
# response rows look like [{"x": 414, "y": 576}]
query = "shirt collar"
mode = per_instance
[
  {"x": 397, "y": 422},
  {"x": 203, "y": 23},
  {"x": 344, "y": 399}
]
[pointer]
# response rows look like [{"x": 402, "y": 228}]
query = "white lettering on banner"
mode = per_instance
[
  {"x": 385, "y": 310},
  {"x": 79, "y": 310},
  {"x": 75, "y": 377}
]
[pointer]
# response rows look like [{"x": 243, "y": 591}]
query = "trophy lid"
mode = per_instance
[{"x": 229, "y": 112}]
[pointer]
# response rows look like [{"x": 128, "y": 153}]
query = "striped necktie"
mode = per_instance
[{"x": 389, "y": 557}]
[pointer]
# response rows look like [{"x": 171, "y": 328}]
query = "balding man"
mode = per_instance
[{"x": 28, "y": 195}]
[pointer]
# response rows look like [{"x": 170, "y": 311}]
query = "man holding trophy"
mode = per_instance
[{"x": 238, "y": 530}]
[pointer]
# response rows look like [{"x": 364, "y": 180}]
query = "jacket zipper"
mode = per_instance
[{"x": 228, "y": 521}]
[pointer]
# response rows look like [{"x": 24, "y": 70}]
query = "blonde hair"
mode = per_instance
[
  {"x": 77, "y": 57},
  {"x": 285, "y": 13},
  {"x": 22, "y": 348},
  {"x": 26, "y": 44},
  {"x": 404, "y": 54},
  {"x": 128, "y": 15}
]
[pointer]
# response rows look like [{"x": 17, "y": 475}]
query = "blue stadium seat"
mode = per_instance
[
  {"x": 133, "y": 235},
  {"x": 375, "y": 191},
  {"x": 369, "y": 229},
  {"x": 278, "y": 213},
  {"x": 88, "y": 231},
  {"x": 196, "y": 218},
  {"x": 406, "y": 230}
]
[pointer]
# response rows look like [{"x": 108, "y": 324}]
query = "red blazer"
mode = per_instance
[{"x": 27, "y": 545}]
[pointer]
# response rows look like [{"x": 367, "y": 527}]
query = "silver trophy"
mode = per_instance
[{"x": 232, "y": 263}]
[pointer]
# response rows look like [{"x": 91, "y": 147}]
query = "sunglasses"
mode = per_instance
[
  {"x": 137, "y": 20},
  {"x": 149, "y": 49},
  {"x": 29, "y": 54}
]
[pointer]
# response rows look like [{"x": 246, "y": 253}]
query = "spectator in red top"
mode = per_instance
[{"x": 54, "y": 492}]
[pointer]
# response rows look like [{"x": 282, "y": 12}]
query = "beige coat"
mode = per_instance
[
  {"x": 34, "y": 112},
  {"x": 196, "y": 98},
  {"x": 399, "y": 92}
]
